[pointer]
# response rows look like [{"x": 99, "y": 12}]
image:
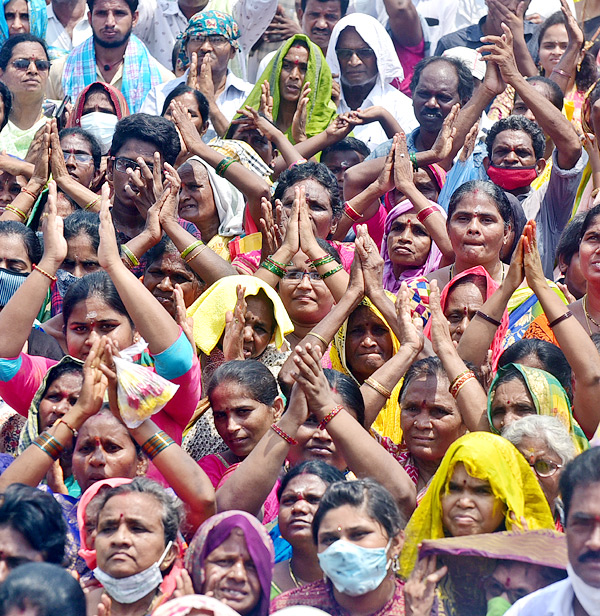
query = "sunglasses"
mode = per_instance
[
  {"x": 363, "y": 54},
  {"x": 544, "y": 468},
  {"x": 22, "y": 64},
  {"x": 122, "y": 164}
]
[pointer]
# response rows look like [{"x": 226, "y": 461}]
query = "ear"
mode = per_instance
[
  {"x": 142, "y": 466},
  {"x": 278, "y": 407},
  {"x": 397, "y": 544},
  {"x": 109, "y": 169},
  {"x": 333, "y": 227},
  {"x": 486, "y": 163},
  {"x": 300, "y": 15},
  {"x": 134, "y": 19},
  {"x": 507, "y": 230},
  {"x": 540, "y": 165},
  {"x": 170, "y": 557},
  {"x": 204, "y": 129},
  {"x": 562, "y": 266},
  {"x": 89, "y": 17}
]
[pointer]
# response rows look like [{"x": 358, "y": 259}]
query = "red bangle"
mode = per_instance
[
  {"x": 284, "y": 435},
  {"x": 334, "y": 411},
  {"x": 352, "y": 214},
  {"x": 423, "y": 214}
]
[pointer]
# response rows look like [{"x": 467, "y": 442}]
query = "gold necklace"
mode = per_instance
[
  {"x": 588, "y": 316},
  {"x": 294, "y": 578}
]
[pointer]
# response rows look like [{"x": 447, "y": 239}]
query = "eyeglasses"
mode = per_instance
[
  {"x": 364, "y": 54},
  {"x": 298, "y": 276},
  {"x": 22, "y": 64},
  {"x": 123, "y": 163},
  {"x": 494, "y": 588},
  {"x": 216, "y": 40},
  {"x": 79, "y": 157},
  {"x": 544, "y": 468}
]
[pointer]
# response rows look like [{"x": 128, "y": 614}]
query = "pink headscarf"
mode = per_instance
[{"x": 390, "y": 282}]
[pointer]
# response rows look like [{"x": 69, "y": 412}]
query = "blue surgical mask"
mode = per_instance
[
  {"x": 64, "y": 280},
  {"x": 102, "y": 126},
  {"x": 353, "y": 569},
  {"x": 133, "y": 587},
  {"x": 9, "y": 283}
]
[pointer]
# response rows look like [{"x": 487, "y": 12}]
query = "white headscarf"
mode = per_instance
[
  {"x": 377, "y": 38},
  {"x": 229, "y": 201}
]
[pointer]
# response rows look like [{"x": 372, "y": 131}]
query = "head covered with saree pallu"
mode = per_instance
[
  {"x": 487, "y": 457},
  {"x": 491, "y": 286},
  {"x": 390, "y": 282},
  {"x": 321, "y": 110},
  {"x": 214, "y": 532},
  {"x": 387, "y": 422},
  {"x": 115, "y": 96},
  {"x": 549, "y": 398},
  {"x": 474, "y": 557},
  {"x": 208, "y": 311},
  {"x": 38, "y": 19}
]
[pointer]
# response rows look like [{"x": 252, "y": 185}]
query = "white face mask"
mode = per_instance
[
  {"x": 102, "y": 126},
  {"x": 134, "y": 587},
  {"x": 587, "y": 595}
]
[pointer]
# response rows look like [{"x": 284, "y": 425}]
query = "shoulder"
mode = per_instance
[
  {"x": 554, "y": 600},
  {"x": 315, "y": 594}
]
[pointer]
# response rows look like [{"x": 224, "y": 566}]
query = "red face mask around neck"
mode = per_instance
[{"x": 510, "y": 178}]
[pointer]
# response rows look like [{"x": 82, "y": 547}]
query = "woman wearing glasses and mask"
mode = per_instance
[
  {"x": 24, "y": 68},
  {"x": 362, "y": 53},
  {"x": 548, "y": 447}
]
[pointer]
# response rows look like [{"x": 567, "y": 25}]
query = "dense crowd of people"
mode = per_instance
[{"x": 299, "y": 307}]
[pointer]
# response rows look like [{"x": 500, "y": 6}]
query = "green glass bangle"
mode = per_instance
[
  {"x": 134, "y": 260},
  {"x": 191, "y": 247},
  {"x": 413, "y": 160},
  {"x": 331, "y": 272},
  {"x": 224, "y": 165},
  {"x": 323, "y": 260},
  {"x": 274, "y": 269}
]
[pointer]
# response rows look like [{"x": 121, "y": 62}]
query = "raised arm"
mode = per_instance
[
  {"x": 564, "y": 72},
  {"x": 574, "y": 341},
  {"x": 17, "y": 317},
  {"x": 364, "y": 456},
  {"x": 553, "y": 122},
  {"x": 404, "y": 22},
  {"x": 151, "y": 320}
]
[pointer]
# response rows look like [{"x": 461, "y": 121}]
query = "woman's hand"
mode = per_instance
[
  {"x": 184, "y": 124},
  {"x": 145, "y": 186},
  {"x": 385, "y": 181},
  {"x": 574, "y": 32},
  {"x": 419, "y": 590},
  {"x": 372, "y": 262},
  {"x": 57, "y": 157},
  {"x": 95, "y": 383},
  {"x": 233, "y": 336},
  {"x": 309, "y": 375},
  {"x": 531, "y": 259},
  {"x": 297, "y": 410},
  {"x": 42, "y": 162},
  {"x": 270, "y": 229},
  {"x": 403, "y": 167},
  {"x": 308, "y": 241},
  {"x": 55, "y": 245},
  {"x": 301, "y": 115},
  {"x": 108, "y": 250},
  {"x": 266, "y": 100},
  {"x": 186, "y": 323},
  {"x": 168, "y": 206},
  {"x": 253, "y": 119},
  {"x": 410, "y": 327},
  {"x": 440, "y": 329},
  {"x": 469, "y": 145},
  {"x": 356, "y": 286},
  {"x": 516, "y": 271},
  {"x": 340, "y": 127},
  {"x": 291, "y": 221},
  {"x": 183, "y": 584}
]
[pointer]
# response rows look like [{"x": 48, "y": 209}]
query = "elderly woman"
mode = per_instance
[
  {"x": 121, "y": 512},
  {"x": 547, "y": 446},
  {"x": 231, "y": 559},
  {"x": 298, "y": 71},
  {"x": 359, "y": 567},
  {"x": 362, "y": 53},
  {"x": 483, "y": 485},
  {"x": 23, "y": 16}
]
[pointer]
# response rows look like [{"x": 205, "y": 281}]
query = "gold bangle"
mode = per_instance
[
  {"x": 17, "y": 211},
  {"x": 41, "y": 271},
  {"x": 62, "y": 420},
  {"x": 195, "y": 254},
  {"x": 91, "y": 204},
  {"x": 130, "y": 255},
  {"x": 319, "y": 337},
  {"x": 190, "y": 248},
  {"x": 29, "y": 192},
  {"x": 378, "y": 387}
]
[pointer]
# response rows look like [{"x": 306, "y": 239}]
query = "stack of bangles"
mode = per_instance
[
  {"x": 49, "y": 445},
  {"x": 92, "y": 203},
  {"x": 460, "y": 381},
  {"x": 378, "y": 387},
  {"x": 279, "y": 269},
  {"x": 426, "y": 213},
  {"x": 224, "y": 165},
  {"x": 334, "y": 411},
  {"x": 156, "y": 444},
  {"x": 351, "y": 213},
  {"x": 190, "y": 249},
  {"x": 325, "y": 260},
  {"x": 15, "y": 210},
  {"x": 413, "y": 159},
  {"x": 284, "y": 435},
  {"x": 130, "y": 255}
]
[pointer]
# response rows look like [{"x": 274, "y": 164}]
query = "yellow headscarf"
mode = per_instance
[
  {"x": 208, "y": 311},
  {"x": 387, "y": 422},
  {"x": 488, "y": 457}
]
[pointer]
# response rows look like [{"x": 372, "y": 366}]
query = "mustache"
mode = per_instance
[
  {"x": 589, "y": 557},
  {"x": 433, "y": 114}
]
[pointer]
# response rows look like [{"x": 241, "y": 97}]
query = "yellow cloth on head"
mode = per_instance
[
  {"x": 208, "y": 311},
  {"x": 387, "y": 422},
  {"x": 488, "y": 457}
]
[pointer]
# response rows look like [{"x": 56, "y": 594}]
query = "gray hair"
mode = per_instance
[
  {"x": 549, "y": 429},
  {"x": 172, "y": 514}
]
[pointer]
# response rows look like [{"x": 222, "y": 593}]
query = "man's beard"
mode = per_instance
[{"x": 111, "y": 44}]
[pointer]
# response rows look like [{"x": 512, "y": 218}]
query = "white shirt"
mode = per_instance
[
  {"x": 554, "y": 600},
  {"x": 230, "y": 100},
  {"x": 58, "y": 39}
]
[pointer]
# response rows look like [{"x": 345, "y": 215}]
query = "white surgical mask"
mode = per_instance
[
  {"x": 134, "y": 587},
  {"x": 102, "y": 126},
  {"x": 587, "y": 595},
  {"x": 353, "y": 569}
]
